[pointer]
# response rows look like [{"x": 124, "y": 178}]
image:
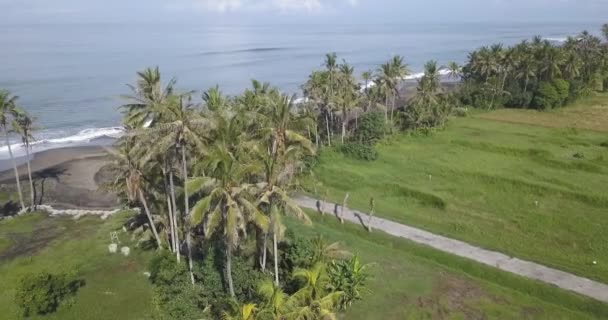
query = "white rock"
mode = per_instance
[
  {"x": 113, "y": 248},
  {"x": 147, "y": 274},
  {"x": 125, "y": 251}
]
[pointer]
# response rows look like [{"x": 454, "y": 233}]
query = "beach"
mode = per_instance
[{"x": 65, "y": 178}]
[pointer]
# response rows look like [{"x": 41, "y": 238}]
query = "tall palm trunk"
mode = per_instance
[
  {"x": 264, "y": 252},
  {"x": 170, "y": 212},
  {"x": 393, "y": 105},
  {"x": 10, "y": 153},
  {"x": 229, "y": 269},
  {"x": 276, "y": 258},
  {"x": 328, "y": 131},
  {"x": 29, "y": 174},
  {"x": 343, "y": 125},
  {"x": 526, "y": 84},
  {"x": 187, "y": 214},
  {"x": 386, "y": 108},
  {"x": 143, "y": 201},
  {"x": 175, "y": 221}
]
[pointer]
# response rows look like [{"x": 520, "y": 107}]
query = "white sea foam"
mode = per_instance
[{"x": 81, "y": 138}]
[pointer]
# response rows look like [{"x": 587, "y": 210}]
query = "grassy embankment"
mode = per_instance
[{"x": 525, "y": 183}]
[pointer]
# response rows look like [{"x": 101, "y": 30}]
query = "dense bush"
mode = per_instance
[
  {"x": 359, "y": 151},
  {"x": 546, "y": 97},
  {"x": 562, "y": 87},
  {"x": 43, "y": 293},
  {"x": 371, "y": 128},
  {"x": 174, "y": 295}
]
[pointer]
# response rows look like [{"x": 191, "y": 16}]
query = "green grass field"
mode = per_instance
[
  {"x": 408, "y": 281},
  {"x": 535, "y": 192},
  {"x": 115, "y": 285}
]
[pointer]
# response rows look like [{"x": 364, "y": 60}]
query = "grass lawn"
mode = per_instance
[
  {"x": 115, "y": 285},
  {"x": 534, "y": 192},
  {"x": 410, "y": 281}
]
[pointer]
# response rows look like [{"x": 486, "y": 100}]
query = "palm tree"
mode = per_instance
[
  {"x": 605, "y": 31},
  {"x": 281, "y": 151},
  {"x": 130, "y": 178},
  {"x": 8, "y": 109},
  {"x": 22, "y": 124},
  {"x": 276, "y": 302},
  {"x": 454, "y": 70},
  {"x": 147, "y": 95},
  {"x": 313, "y": 301},
  {"x": 245, "y": 312},
  {"x": 227, "y": 205},
  {"x": 367, "y": 78}
]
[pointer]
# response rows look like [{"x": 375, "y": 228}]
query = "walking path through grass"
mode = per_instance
[{"x": 523, "y": 268}]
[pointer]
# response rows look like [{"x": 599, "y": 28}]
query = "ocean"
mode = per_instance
[{"x": 71, "y": 76}]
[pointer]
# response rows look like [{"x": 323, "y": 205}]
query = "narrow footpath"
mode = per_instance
[{"x": 564, "y": 280}]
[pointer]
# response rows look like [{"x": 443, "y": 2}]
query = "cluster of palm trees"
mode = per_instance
[
  {"x": 335, "y": 100},
  {"x": 17, "y": 121},
  {"x": 223, "y": 167},
  {"x": 513, "y": 76}
]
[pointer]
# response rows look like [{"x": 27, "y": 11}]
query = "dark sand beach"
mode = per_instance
[{"x": 65, "y": 178}]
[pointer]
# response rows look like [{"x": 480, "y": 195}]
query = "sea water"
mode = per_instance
[{"x": 71, "y": 76}]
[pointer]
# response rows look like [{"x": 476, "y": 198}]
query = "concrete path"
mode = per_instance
[{"x": 564, "y": 280}]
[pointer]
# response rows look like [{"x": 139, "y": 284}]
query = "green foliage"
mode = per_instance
[
  {"x": 562, "y": 87},
  {"x": 371, "y": 129},
  {"x": 547, "y": 96},
  {"x": 174, "y": 295},
  {"x": 359, "y": 151},
  {"x": 348, "y": 277},
  {"x": 43, "y": 293}
]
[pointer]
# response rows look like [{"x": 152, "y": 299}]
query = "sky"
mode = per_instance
[{"x": 267, "y": 11}]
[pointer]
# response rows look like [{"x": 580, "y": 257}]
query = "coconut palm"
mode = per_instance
[
  {"x": 23, "y": 126},
  {"x": 313, "y": 300},
  {"x": 130, "y": 180},
  {"x": 367, "y": 78},
  {"x": 454, "y": 70},
  {"x": 275, "y": 301},
  {"x": 227, "y": 205},
  {"x": 245, "y": 312},
  {"x": 146, "y": 96},
  {"x": 280, "y": 153},
  {"x": 8, "y": 110}
]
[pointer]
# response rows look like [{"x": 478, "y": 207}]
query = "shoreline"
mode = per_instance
[{"x": 66, "y": 178}]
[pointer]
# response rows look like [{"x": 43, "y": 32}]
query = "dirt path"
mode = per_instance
[{"x": 564, "y": 280}]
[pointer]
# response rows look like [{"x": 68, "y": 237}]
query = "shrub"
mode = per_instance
[
  {"x": 174, "y": 295},
  {"x": 371, "y": 128},
  {"x": 359, "y": 151},
  {"x": 562, "y": 87},
  {"x": 43, "y": 293},
  {"x": 546, "y": 97},
  {"x": 462, "y": 112},
  {"x": 349, "y": 277}
]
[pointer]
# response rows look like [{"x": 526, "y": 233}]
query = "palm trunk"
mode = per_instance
[
  {"x": 276, "y": 258},
  {"x": 343, "y": 128},
  {"x": 187, "y": 215},
  {"x": 371, "y": 215},
  {"x": 264, "y": 255},
  {"x": 526, "y": 84},
  {"x": 143, "y": 201},
  {"x": 229, "y": 269},
  {"x": 328, "y": 132},
  {"x": 10, "y": 153},
  {"x": 171, "y": 224},
  {"x": 29, "y": 173},
  {"x": 175, "y": 236},
  {"x": 170, "y": 212},
  {"x": 317, "y": 134},
  {"x": 386, "y": 109},
  {"x": 393, "y": 106}
]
